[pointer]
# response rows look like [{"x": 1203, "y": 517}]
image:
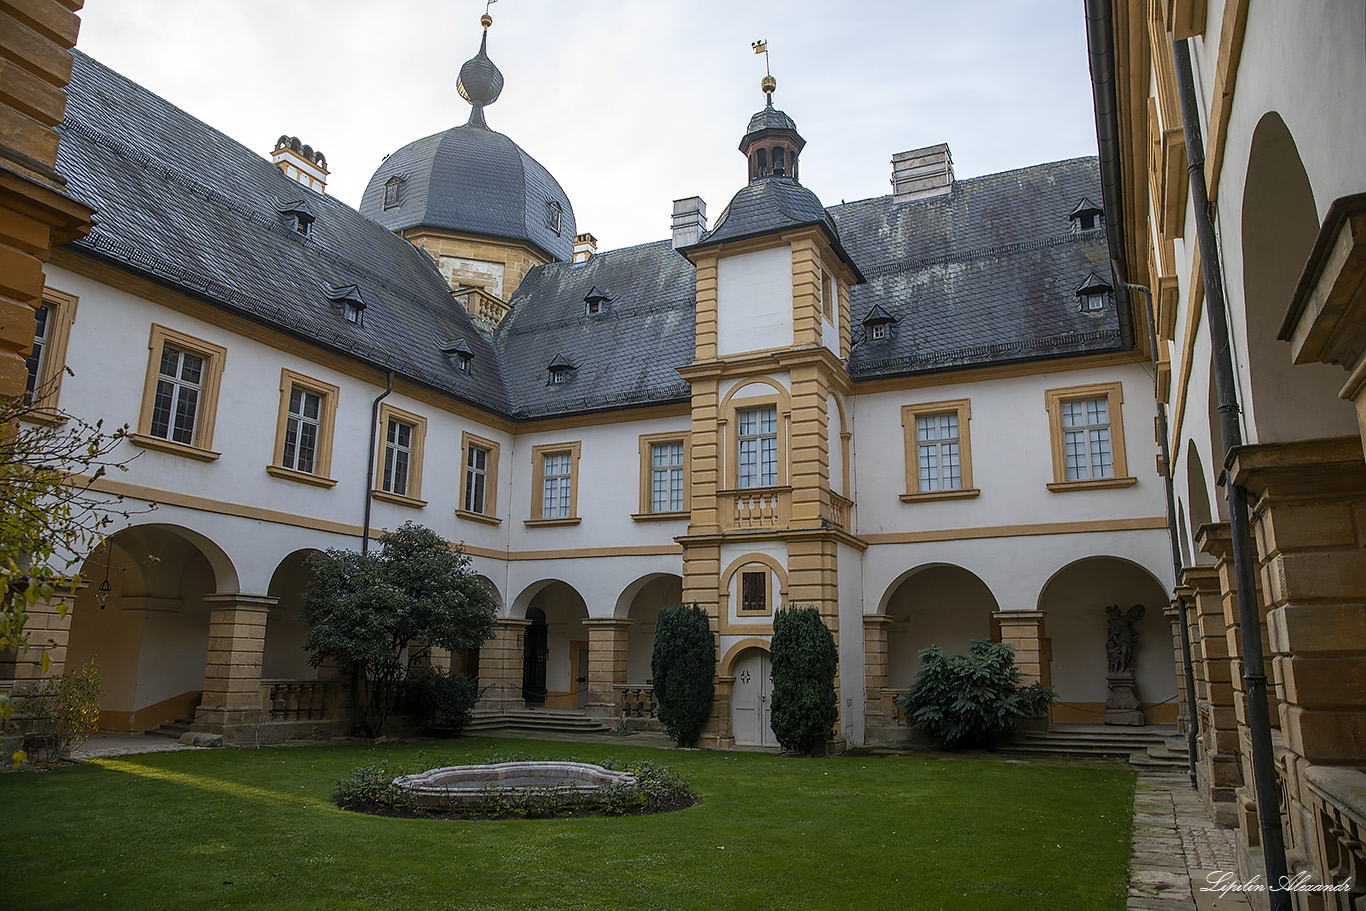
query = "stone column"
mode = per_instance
[
  {"x": 500, "y": 666},
  {"x": 607, "y": 654},
  {"x": 1217, "y": 540},
  {"x": 232, "y": 673},
  {"x": 1173, "y": 615},
  {"x": 1024, "y": 631},
  {"x": 49, "y": 630},
  {"x": 875, "y": 672},
  {"x": 1218, "y": 771},
  {"x": 1309, "y": 526}
]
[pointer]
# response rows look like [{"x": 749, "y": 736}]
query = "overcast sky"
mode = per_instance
[{"x": 629, "y": 103}]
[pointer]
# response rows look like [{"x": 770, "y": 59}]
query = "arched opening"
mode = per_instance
[
  {"x": 284, "y": 657},
  {"x": 761, "y": 159},
  {"x": 1216, "y": 439},
  {"x": 1197, "y": 494},
  {"x": 1074, "y": 601},
  {"x": 555, "y": 648},
  {"x": 778, "y": 161},
  {"x": 1280, "y": 223},
  {"x": 1183, "y": 537},
  {"x": 938, "y": 604},
  {"x": 150, "y": 636},
  {"x": 643, "y": 600}
]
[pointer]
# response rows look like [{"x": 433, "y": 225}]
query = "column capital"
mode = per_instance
[
  {"x": 1200, "y": 580},
  {"x": 242, "y": 600},
  {"x": 607, "y": 623},
  {"x": 1019, "y": 615},
  {"x": 511, "y": 622},
  {"x": 1215, "y": 539},
  {"x": 875, "y": 620},
  {"x": 1330, "y": 468}
]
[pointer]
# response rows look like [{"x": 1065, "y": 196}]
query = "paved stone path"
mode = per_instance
[
  {"x": 126, "y": 744},
  {"x": 1176, "y": 847}
]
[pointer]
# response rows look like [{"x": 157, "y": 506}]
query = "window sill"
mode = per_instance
[
  {"x": 478, "y": 517},
  {"x": 548, "y": 523},
  {"x": 661, "y": 516},
  {"x": 398, "y": 499},
  {"x": 180, "y": 449},
  {"x": 289, "y": 474},
  {"x": 45, "y": 415},
  {"x": 967, "y": 494},
  {"x": 1092, "y": 484}
]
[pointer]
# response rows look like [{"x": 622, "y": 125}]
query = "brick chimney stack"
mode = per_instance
[{"x": 300, "y": 162}]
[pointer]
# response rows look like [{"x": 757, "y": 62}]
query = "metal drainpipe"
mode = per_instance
[
  {"x": 1254, "y": 671},
  {"x": 1186, "y": 661},
  {"x": 370, "y": 462}
]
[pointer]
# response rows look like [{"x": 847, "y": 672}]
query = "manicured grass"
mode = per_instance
[{"x": 257, "y": 829}]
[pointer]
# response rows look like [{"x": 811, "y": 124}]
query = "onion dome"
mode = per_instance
[{"x": 480, "y": 82}]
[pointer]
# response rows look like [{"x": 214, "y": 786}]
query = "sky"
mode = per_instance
[{"x": 629, "y": 103}]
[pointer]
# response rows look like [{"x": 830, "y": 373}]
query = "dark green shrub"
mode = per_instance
[
  {"x": 804, "y": 661},
  {"x": 965, "y": 700},
  {"x": 439, "y": 700},
  {"x": 368, "y": 788},
  {"x": 684, "y": 667}
]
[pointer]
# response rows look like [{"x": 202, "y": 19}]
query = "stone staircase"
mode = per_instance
[
  {"x": 174, "y": 729},
  {"x": 1152, "y": 747},
  {"x": 534, "y": 721}
]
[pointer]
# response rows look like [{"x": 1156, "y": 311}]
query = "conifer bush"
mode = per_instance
[
  {"x": 967, "y": 699},
  {"x": 683, "y": 667},
  {"x": 804, "y": 662}
]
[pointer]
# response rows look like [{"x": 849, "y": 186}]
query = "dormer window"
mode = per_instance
[
  {"x": 347, "y": 298},
  {"x": 555, "y": 212},
  {"x": 595, "y": 301},
  {"x": 877, "y": 325},
  {"x": 297, "y": 215},
  {"x": 1093, "y": 294},
  {"x": 393, "y": 192},
  {"x": 561, "y": 370},
  {"x": 1086, "y": 216},
  {"x": 459, "y": 354}
]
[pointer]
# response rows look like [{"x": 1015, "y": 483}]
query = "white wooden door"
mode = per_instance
[{"x": 750, "y": 718}]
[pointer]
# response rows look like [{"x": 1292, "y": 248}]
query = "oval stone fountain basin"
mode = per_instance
[{"x": 568, "y": 783}]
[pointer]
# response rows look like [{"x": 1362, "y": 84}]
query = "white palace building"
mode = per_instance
[{"x": 928, "y": 414}]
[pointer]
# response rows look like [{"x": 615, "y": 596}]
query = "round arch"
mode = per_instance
[
  {"x": 283, "y": 657},
  {"x": 940, "y": 604},
  {"x": 784, "y": 397},
  {"x": 728, "y": 659},
  {"x": 640, "y": 603},
  {"x": 1280, "y": 224}
]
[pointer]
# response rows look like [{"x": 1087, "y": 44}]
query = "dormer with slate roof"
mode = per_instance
[
  {"x": 484, "y": 209},
  {"x": 1086, "y": 216}
]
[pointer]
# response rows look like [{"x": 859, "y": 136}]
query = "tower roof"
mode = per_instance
[{"x": 473, "y": 179}]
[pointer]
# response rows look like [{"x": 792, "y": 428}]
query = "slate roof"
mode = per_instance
[
  {"x": 770, "y": 118},
  {"x": 984, "y": 275},
  {"x": 470, "y": 178},
  {"x": 185, "y": 206},
  {"x": 627, "y": 354}
]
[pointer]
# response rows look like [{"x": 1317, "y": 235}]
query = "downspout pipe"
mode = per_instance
[
  {"x": 1254, "y": 671},
  {"x": 1187, "y": 664},
  {"x": 370, "y": 462}
]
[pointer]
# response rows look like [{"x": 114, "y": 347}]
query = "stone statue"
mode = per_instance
[
  {"x": 1122, "y": 637},
  {"x": 1122, "y": 706}
]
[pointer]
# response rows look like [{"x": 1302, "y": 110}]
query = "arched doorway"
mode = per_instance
[
  {"x": 1074, "y": 601},
  {"x": 642, "y": 601},
  {"x": 751, "y": 699},
  {"x": 283, "y": 657},
  {"x": 1280, "y": 223},
  {"x": 936, "y": 604},
  {"x": 149, "y": 636},
  {"x": 555, "y": 647}
]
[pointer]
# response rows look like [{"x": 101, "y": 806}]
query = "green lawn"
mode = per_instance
[{"x": 257, "y": 829}]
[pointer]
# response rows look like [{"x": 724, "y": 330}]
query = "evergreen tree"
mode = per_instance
[
  {"x": 684, "y": 668},
  {"x": 804, "y": 663}
]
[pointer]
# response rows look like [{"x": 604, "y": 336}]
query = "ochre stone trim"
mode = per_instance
[
  {"x": 1011, "y": 531},
  {"x": 215, "y": 359}
]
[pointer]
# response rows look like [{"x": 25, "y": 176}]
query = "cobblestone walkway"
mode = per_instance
[
  {"x": 1175, "y": 848},
  {"x": 125, "y": 744}
]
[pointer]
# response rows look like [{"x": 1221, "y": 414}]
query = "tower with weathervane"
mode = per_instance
[{"x": 771, "y": 493}]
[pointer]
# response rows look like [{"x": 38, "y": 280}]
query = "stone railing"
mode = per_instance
[
  {"x": 296, "y": 700},
  {"x": 1337, "y": 803},
  {"x": 636, "y": 700},
  {"x": 839, "y": 511},
  {"x": 887, "y": 704},
  {"x": 766, "y": 507}
]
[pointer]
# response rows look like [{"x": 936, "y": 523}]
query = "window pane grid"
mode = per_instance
[
  {"x": 301, "y": 430},
  {"x": 397, "y": 453},
  {"x": 555, "y": 502},
  {"x": 757, "y": 465},
  {"x": 666, "y": 477},
  {"x": 176, "y": 403},
  {"x": 34, "y": 362},
  {"x": 937, "y": 452},
  {"x": 476, "y": 473},
  {"x": 1087, "y": 450}
]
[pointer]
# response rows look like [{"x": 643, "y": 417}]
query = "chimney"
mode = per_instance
[
  {"x": 689, "y": 221},
  {"x": 922, "y": 173},
  {"x": 585, "y": 245},
  {"x": 301, "y": 163}
]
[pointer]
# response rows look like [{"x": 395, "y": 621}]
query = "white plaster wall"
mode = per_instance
[
  {"x": 1012, "y": 461},
  {"x": 939, "y": 605},
  {"x": 836, "y": 446},
  {"x": 830, "y": 336},
  {"x": 754, "y": 301},
  {"x": 175, "y": 644},
  {"x": 599, "y": 581}
]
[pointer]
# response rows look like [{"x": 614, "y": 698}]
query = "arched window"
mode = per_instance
[{"x": 778, "y": 161}]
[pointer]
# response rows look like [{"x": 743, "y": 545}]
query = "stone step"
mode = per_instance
[
  {"x": 173, "y": 729},
  {"x": 531, "y": 720}
]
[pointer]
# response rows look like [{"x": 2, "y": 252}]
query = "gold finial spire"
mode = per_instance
[
  {"x": 768, "y": 84},
  {"x": 486, "y": 20}
]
